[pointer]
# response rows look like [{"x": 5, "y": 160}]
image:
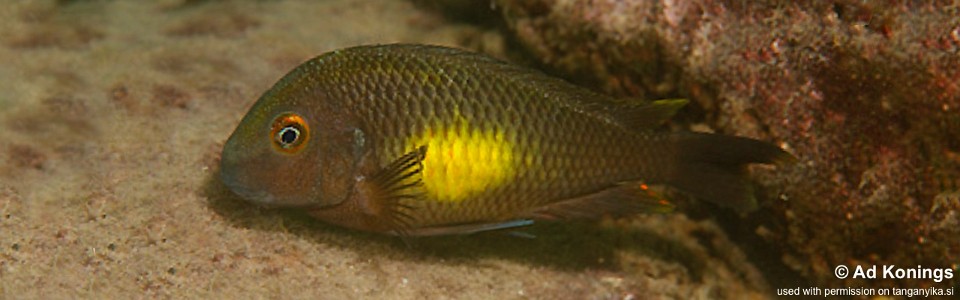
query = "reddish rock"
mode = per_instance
[{"x": 866, "y": 94}]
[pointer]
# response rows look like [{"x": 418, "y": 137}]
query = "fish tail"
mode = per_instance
[{"x": 712, "y": 167}]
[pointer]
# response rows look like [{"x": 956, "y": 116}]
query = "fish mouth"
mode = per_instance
[
  {"x": 257, "y": 196},
  {"x": 240, "y": 188}
]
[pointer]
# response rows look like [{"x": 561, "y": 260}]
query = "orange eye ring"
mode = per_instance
[{"x": 289, "y": 132}]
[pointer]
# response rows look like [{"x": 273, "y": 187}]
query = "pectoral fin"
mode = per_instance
[
  {"x": 626, "y": 198},
  {"x": 391, "y": 186}
]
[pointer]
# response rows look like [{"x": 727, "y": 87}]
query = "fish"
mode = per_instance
[{"x": 414, "y": 140}]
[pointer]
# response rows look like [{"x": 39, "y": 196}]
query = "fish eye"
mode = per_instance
[
  {"x": 289, "y": 132},
  {"x": 288, "y": 135}
]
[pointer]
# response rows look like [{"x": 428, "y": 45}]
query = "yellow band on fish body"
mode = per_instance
[{"x": 462, "y": 160}]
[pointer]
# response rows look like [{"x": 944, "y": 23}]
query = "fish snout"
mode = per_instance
[{"x": 234, "y": 174}]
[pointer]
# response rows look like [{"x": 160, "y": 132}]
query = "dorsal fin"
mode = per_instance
[
  {"x": 629, "y": 113},
  {"x": 641, "y": 115}
]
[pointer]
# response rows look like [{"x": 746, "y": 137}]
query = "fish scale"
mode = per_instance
[
  {"x": 488, "y": 142},
  {"x": 456, "y": 100}
]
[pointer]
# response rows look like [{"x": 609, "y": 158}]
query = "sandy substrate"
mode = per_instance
[{"x": 112, "y": 117}]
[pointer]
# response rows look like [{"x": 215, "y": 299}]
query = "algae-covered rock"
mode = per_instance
[{"x": 865, "y": 93}]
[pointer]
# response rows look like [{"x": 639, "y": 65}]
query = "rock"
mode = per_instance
[{"x": 866, "y": 94}]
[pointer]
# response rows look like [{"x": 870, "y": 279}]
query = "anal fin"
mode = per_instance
[{"x": 624, "y": 199}]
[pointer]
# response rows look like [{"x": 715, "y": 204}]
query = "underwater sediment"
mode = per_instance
[{"x": 112, "y": 118}]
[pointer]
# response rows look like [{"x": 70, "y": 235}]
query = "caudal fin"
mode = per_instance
[{"x": 712, "y": 167}]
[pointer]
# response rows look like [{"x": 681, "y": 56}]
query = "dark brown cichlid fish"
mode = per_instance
[{"x": 426, "y": 140}]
